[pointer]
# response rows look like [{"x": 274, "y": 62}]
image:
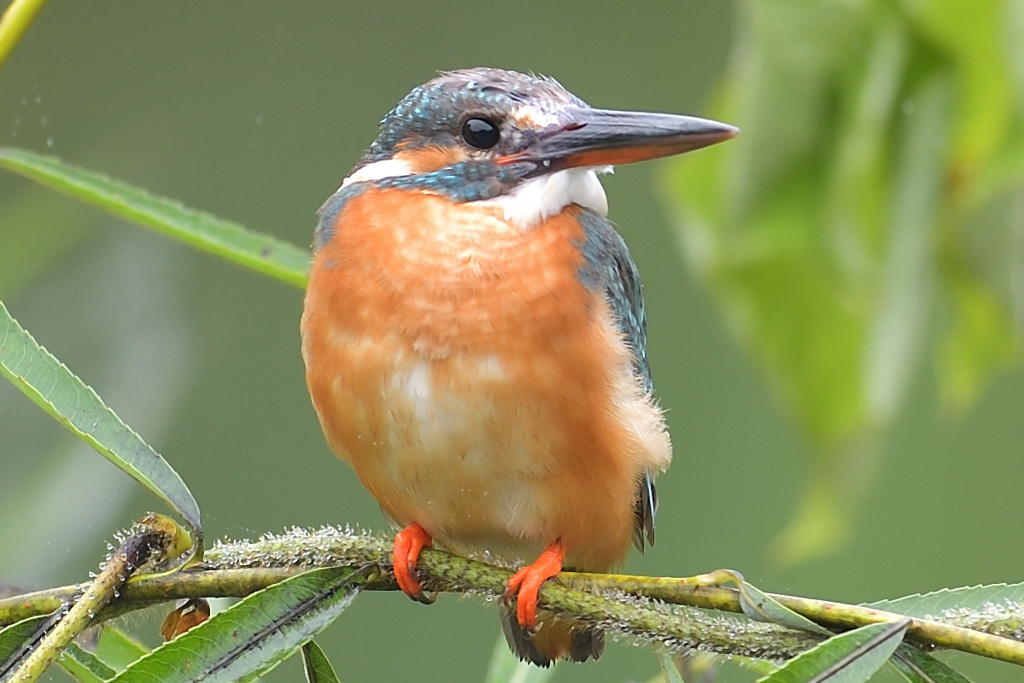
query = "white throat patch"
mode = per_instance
[{"x": 540, "y": 198}]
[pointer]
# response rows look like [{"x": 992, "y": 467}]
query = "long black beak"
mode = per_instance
[{"x": 602, "y": 137}]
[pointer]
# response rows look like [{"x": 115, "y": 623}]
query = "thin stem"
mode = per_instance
[
  {"x": 147, "y": 538},
  {"x": 15, "y": 22}
]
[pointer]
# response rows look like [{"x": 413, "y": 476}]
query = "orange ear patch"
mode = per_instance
[{"x": 431, "y": 157}]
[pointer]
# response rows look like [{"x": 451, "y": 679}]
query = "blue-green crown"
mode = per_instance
[{"x": 433, "y": 112}]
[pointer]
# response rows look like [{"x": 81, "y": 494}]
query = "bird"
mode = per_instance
[{"x": 474, "y": 336}]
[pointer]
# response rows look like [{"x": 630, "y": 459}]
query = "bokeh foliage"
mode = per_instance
[
  {"x": 217, "y": 125},
  {"x": 843, "y": 268}
]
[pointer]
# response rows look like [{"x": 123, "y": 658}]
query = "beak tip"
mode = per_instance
[
  {"x": 716, "y": 131},
  {"x": 712, "y": 133}
]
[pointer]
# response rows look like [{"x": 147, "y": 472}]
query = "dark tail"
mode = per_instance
[{"x": 552, "y": 639}]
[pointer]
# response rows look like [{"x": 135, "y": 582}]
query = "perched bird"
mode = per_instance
[{"x": 474, "y": 335}]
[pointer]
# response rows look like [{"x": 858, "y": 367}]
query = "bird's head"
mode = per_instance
[{"x": 521, "y": 141}]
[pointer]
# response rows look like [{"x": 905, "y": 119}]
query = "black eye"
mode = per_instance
[{"x": 480, "y": 133}]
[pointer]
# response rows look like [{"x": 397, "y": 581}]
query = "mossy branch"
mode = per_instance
[{"x": 679, "y": 613}]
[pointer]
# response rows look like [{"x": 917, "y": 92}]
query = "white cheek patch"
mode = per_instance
[
  {"x": 386, "y": 168},
  {"x": 537, "y": 199}
]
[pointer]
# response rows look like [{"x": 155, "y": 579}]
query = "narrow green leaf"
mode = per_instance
[
  {"x": 669, "y": 669},
  {"x": 896, "y": 333},
  {"x": 55, "y": 389},
  {"x": 980, "y": 341},
  {"x": 254, "y": 635},
  {"x": 758, "y": 666},
  {"x": 316, "y": 665},
  {"x": 84, "y": 666},
  {"x": 1000, "y": 596},
  {"x": 852, "y": 657},
  {"x": 506, "y": 667},
  {"x": 231, "y": 241},
  {"x": 15, "y": 638},
  {"x": 918, "y": 666},
  {"x": 760, "y": 606}
]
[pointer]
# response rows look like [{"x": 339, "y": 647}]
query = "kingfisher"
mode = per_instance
[{"x": 474, "y": 336}]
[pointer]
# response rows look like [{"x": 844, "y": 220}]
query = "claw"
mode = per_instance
[
  {"x": 526, "y": 583},
  {"x": 408, "y": 544}
]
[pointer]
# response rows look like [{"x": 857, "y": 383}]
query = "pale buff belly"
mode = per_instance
[
  {"x": 465, "y": 457},
  {"x": 495, "y": 452}
]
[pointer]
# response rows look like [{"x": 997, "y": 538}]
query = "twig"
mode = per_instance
[
  {"x": 152, "y": 535},
  {"x": 677, "y": 613}
]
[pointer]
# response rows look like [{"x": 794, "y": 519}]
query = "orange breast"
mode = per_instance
[{"x": 475, "y": 385}]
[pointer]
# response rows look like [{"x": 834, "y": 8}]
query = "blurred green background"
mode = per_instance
[{"x": 834, "y": 297}]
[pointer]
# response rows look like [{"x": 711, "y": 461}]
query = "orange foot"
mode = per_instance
[
  {"x": 528, "y": 580},
  {"x": 408, "y": 544}
]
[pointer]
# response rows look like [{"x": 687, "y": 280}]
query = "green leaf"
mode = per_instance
[
  {"x": 254, "y": 635},
  {"x": 980, "y": 341},
  {"x": 920, "y": 667},
  {"x": 762, "y": 607},
  {"x": 316, "y": 665},
  {"x": 669, "y": 669},
  {"x": 505, "y": 667},
  {"x": 852, "y": 657},
  {"x": 966, "y": 33},
  {"x": 15, "y": 638},
  {"x": 896, "y": 332},
  {"x": 876, "y": 139},
  {"x": 55, "y": 389},
  {"x": 953, "y": 601},
  {"x": 758, "y": 666},
  {"x": 262, "y": 253},
  {"x": 84, "y": 666}
]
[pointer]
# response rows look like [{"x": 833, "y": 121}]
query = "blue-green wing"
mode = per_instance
[{"x": 609, "y": 268}]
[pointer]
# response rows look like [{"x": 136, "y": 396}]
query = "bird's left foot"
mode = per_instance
[
  {"x": 408, "y": 544},
  {"x": 526, "y": 583}
]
